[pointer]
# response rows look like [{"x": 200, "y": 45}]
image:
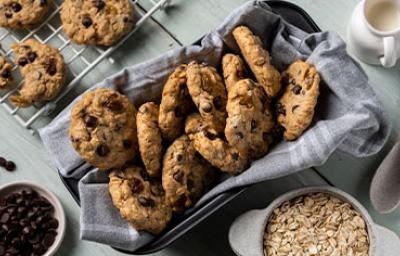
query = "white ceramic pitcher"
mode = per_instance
[{"x": 374, "y": 32}]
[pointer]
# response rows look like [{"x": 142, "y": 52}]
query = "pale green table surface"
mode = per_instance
[{"x": 184, "y": 22}]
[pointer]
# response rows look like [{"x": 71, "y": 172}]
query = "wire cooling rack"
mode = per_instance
[{"x": 80, "y": 59}]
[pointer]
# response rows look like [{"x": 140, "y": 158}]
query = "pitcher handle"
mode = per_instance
[{"x": 389, "y": 52}]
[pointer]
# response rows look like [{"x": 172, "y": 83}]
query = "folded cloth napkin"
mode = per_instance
[{"x": 349, "y": 117}]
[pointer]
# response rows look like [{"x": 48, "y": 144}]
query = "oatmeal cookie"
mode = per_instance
[
  {"x": 250, "y": 121},
  {"x": 103, "y": 128},
  {"x": 175, "y": 104},
  {"x": 258, "y": 60},
  {"x": 215, "y": 150},
  {"x": 184, "y": 175},
  {"x": 96, "y": 22},
  {"x": 22, "y": 13},
  {"x": 43, "y": 69},
  {"x": 295, "y": 109},
  {"x": 208, "y": 93},
  {"x": 5, "y": 73},
  {"x": 140, "y": 200},
  {"x": 233, "y": 69},
  {"x": 149, "y": 138}
]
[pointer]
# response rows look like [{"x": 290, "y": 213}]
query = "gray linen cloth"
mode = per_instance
[{"x": 349, "y": 117}]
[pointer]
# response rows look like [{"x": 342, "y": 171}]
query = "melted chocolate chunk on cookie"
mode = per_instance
[
  {"x": 210, "y": 135},
  {"x": 235, "y": 156},
  {"x": 50, "y": 65},
  {"x": 178, "y": 176},
  {"x": 136, "y": 185},
  {"x": 99, "y": 4},
  {"x": 16, "y": 7},
  {"x": 32, "y": 56},
  {"x": 296, "y": 89},
  {"x": 127, "y": 143},
  {"x": 43, "y": 2},
  {"x": 102, "y": 150},
  {"x": 206, "y": 107},
  {"x": 179, "y": 158},
  {"x": 22, "y": 61},
  {"x": 294, "y": 108},
  {"x": 280, "y": 109},
  {"x": 114, "y": 105},
  {"x": 146, "y": 202},
  {"x": 90, "y": 121},
  {"x": 8, "y": 14},
  {"x": 6, "y": 73},
  {"x": 87, "y": 21}
]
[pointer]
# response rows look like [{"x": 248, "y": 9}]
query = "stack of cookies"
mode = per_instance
[
  {"x": 162, "y": 158},
  {"x": 98, "y": 22}
]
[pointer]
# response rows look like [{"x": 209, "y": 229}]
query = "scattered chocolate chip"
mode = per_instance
[
  {"x": 280, "y": 109},
  {"x": 22, "y": 61},
  {"x": 296, "y": 89},
  {"x": 178, "y": 176},
  {"x": 102, "y": 150},
  {"x": 179, "y": 158},
  {"x": 8, "y": 14},
  {"x": 43, "y": 2},
  {"x": 10, "y": 166},
  {"x": 239, "y": 135},
  {"x": 6, "y": 73},
  {"x": 217, "y": 101},
  {"x": 206, "y": 107},
  {"x": 87, "y": 21},
  {"x": 99, "y": 4},
  {"x": 90, "y": 121},
  {"x": 114, "y": 105},
  {"x": 125, "y": 19},
  {"x": 253, "y": 125},
  {"x": 16, "y": 7},
  {"x": 32, "y": 56},
  {"x": 294, "y": 108},
  {"x": 136, "y": 185},
  {"x": 51, "y": 67},
  {"x": 2, "y": 161},
  {"x": 210, "y": 135},
  {"x": 235, "y": 156},
  {"x": 127, "y": 143},
  {"x": 146, "y": 202}
]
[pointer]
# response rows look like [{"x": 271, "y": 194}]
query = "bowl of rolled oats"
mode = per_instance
[{"x": 323, "y": 221}]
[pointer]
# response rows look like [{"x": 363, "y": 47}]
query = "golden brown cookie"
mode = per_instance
[
  {"x": 22, "y": 13},
  {"x": 149, "y": 138},
  {"x": 295, "y": 109},
  {"x": 185, "y": 175},
  {"x": 250, "y": 122},
  {"x": 233, "y": 69},
  {"x": 175, "y": 104},
  {"x": 5, "y": 73},
  {"x": 208, "y": 93},
  {"x": 103, "y": 128},
  {"x": 258, "y": 60},
  {"x": 100, "y": 22},
  {"x": 43, "y": 69},
  {"x": 139, "y": 199},
  {"x": 215, "y": 150}
]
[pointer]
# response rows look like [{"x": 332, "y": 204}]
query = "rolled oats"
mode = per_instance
[{"x": 316, "y": 224}]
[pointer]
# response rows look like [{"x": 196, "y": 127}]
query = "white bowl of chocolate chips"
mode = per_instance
[{"x": 32, "y": 220}]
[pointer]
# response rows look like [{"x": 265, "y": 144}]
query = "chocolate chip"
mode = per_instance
[
  {"x": 125, "y": 19},
  {"x": 16, "y": 7},
  {"x": 146, "y": 202},
  {"x": 10, "y": 166},
  {"x": 102, "y": 150},
  {"x": 43, "y": 2},
  {"x": 127, "y": 143},
  {"x": 253, "y": 125},
  {"x": 22, "y": 61},
  {"x": 2, "y": 161},
  {"x": 217, "y": 101},
  {"x": 90, "y": 121},
  {"x": 206, "y": 107},
  {"x": 294, "y": 108},
  {"x": 239, "y": 135},
  {"x": 179, "y": 158},
  {"x": 114, "y": 105},
  {"x": 8, "y": 14},
  {"x": 235, "y": 156},
  {"x": 99, "y": 4},
  {"x": 296, "y": 89},
  {"x": 136, "y": 185},
  {"x": 87, "y": 21},
  {"x": 210, "y": 135},
  {"x": 51, "y": 67},
  {"x": 178, "y": 176},
  {"x": 280, "y": 109},
  {"x": 32, "y": 56},
  {"x": 6, "y": 73}
]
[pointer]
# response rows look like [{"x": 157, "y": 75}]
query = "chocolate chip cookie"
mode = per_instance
[
  {"x": 98, "y": 22},
  {"x": 208, "y": 93},
  {"x": 5, "y": 73},
  {"x": 250, "y": 121},
  {"x": 175, "y": 104},
  {"x": 22, "y": 13},
  {"x": 215, "y": 150},
  {"x": 184, "y": 175},
  {"x": 258, "y": 60},
  {"x": 233, "y": 69},
  {"x": 140, "y": 200},
  {"x": 149, "y": 138},
  {"x": 295, "y": 109},
  {"x": 43, "y": 70},
  {"x": 103, "y": 128}
]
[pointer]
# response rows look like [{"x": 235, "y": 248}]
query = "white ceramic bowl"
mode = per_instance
[
  {"x": 247, "y": 231},
  {"x": 58, "y": 209}
]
